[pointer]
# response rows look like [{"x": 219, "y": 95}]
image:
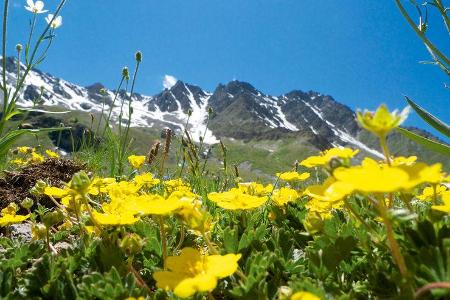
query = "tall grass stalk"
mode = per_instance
[{"x": 31, "y": 61}]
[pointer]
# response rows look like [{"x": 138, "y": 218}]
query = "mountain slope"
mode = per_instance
[{"x": 236, "y": 110}]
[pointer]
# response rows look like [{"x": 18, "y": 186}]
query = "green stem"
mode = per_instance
[
  {"x": 385, "y": 149},
  {"x": 357, "y": 216},
  {"x": 85, "y": 200},
  {"x": 421, "y": 35},
  {"x": 182, "y": 236},
  {"x": 163, "y": 235},
  {"x": 395, "y": 249},
  {"x": 116, "y": 95},
  {"x": 6, "y": 105},
  {"x": 211, "y": 247},
  {"x": 28, "y": 45},
  {"x": 18, "y": 69},
  {"x": 130, "y": 109},
  {"x": 5, "y": 30}
]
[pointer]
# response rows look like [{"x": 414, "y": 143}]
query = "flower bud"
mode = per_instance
[
  {"x": 210, "y": 110},
  {"x": 189, "y": 112},
  {"x": 131, "y": 244},
  {"x": 19, "y": 47},
  {"x": 52, "y": 218},
  {"x": 125, "y": 73},
  {"x": 80, "y": 182},
  {"x": 38, "y": 231},
  {"x": 335, "y": 163},
  {"x": 27, "y": 203},
  {"x": 138, "y": 56},
  {"x": 38, "y": 188}
]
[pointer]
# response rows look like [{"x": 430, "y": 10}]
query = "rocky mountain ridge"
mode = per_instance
[{"x": 235, "y": 110}]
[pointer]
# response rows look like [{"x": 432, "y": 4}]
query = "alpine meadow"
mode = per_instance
[{"x": 223, "y": 191}]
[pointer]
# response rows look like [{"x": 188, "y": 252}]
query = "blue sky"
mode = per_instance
[{"x": 360, "y": 52}]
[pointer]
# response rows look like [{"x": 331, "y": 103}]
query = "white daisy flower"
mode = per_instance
[
  {"x": 35, "y": 7},
  {"x": 57, "y": 22}
]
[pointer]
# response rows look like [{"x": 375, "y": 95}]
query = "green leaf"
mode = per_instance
[
  {"x": 429, "y": 118},
  {"x": 339, "y": 251},
  {"x": 230, "y": 240},
  {"x": 430, "y": 144}
]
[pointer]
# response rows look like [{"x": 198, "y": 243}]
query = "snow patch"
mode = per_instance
[{"x": 343, "y": 136}]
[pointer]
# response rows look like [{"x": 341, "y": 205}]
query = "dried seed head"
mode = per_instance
[
  {"x": 19, "y": 47},
  {"x": 168, "y": 141},
  {"x": 153, "y": 153},
  {"x": 236, "y": 171}
]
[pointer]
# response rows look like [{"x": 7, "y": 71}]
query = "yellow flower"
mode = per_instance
[
  {"x": 255, "y": 189},
  {"x": 136, "y": 161},
  {"x": 235, "y": 199},
  {"x": 100, "y": 185},
  {"x": 113, "y": 219},
  {"x": 146, "y": 179},
  {"x": 9, "y": 219},
  {"x": 38, "y": 232},
  {"x": 428, "y": 192},
  {"x": 293, "y": 176},
  {"x": 422, "y": 173},
  {"x": 176, "y": 185},
  {"x": 304, "y": 296},
  {"x": 314, "y": 221},
  {"x": 11, "y": 209},
  {"x": 9, "y": 216},
  {"x": 326, "y": 197},
  {"x": 134, "y": 298},
  {"x": 153, "y": 205},
  {"x": 401, "y": 160},
  {"x": 381, "y": 122},
  {"x": 25, "y": 150},
  {"x": 192, "y": 272},
  {"x": 373, "y": 178},
  {"x": 56, "y": 192},
  {"x": 51, "y": 154},
  {"x": 36, "y": 158},
  {"x": 329, "y": 191},
  {"x": 122, "y": 189},
  {"x": 445, "y": 207},
  {"x": 195, "y": 218},
  {"x": 284, "y": 195},
  {"x": 326, "y": 156},
  {"x": 19, "y": 162}
]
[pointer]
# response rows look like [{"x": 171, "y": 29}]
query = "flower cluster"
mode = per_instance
[
  {"x": 28, "y": 155},
  {"x": 335, "y": 216}
]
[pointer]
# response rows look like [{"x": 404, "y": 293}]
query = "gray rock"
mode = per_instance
[{"x": 21, "y": 231}]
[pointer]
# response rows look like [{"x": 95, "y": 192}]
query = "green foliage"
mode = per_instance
[
  {"x": 430, "y": 119},
  {"x": 433, "y": 145}
]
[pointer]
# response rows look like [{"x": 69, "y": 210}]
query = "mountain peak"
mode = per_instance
[
  {"x": 237, "y": 87},
  {"x": 95, "y": 87}
]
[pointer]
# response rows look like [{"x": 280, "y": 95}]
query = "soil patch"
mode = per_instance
[{"x": 15, "y": 186}]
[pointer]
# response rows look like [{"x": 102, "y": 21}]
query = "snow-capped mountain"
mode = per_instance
[{"x": 235, "y": 110}]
